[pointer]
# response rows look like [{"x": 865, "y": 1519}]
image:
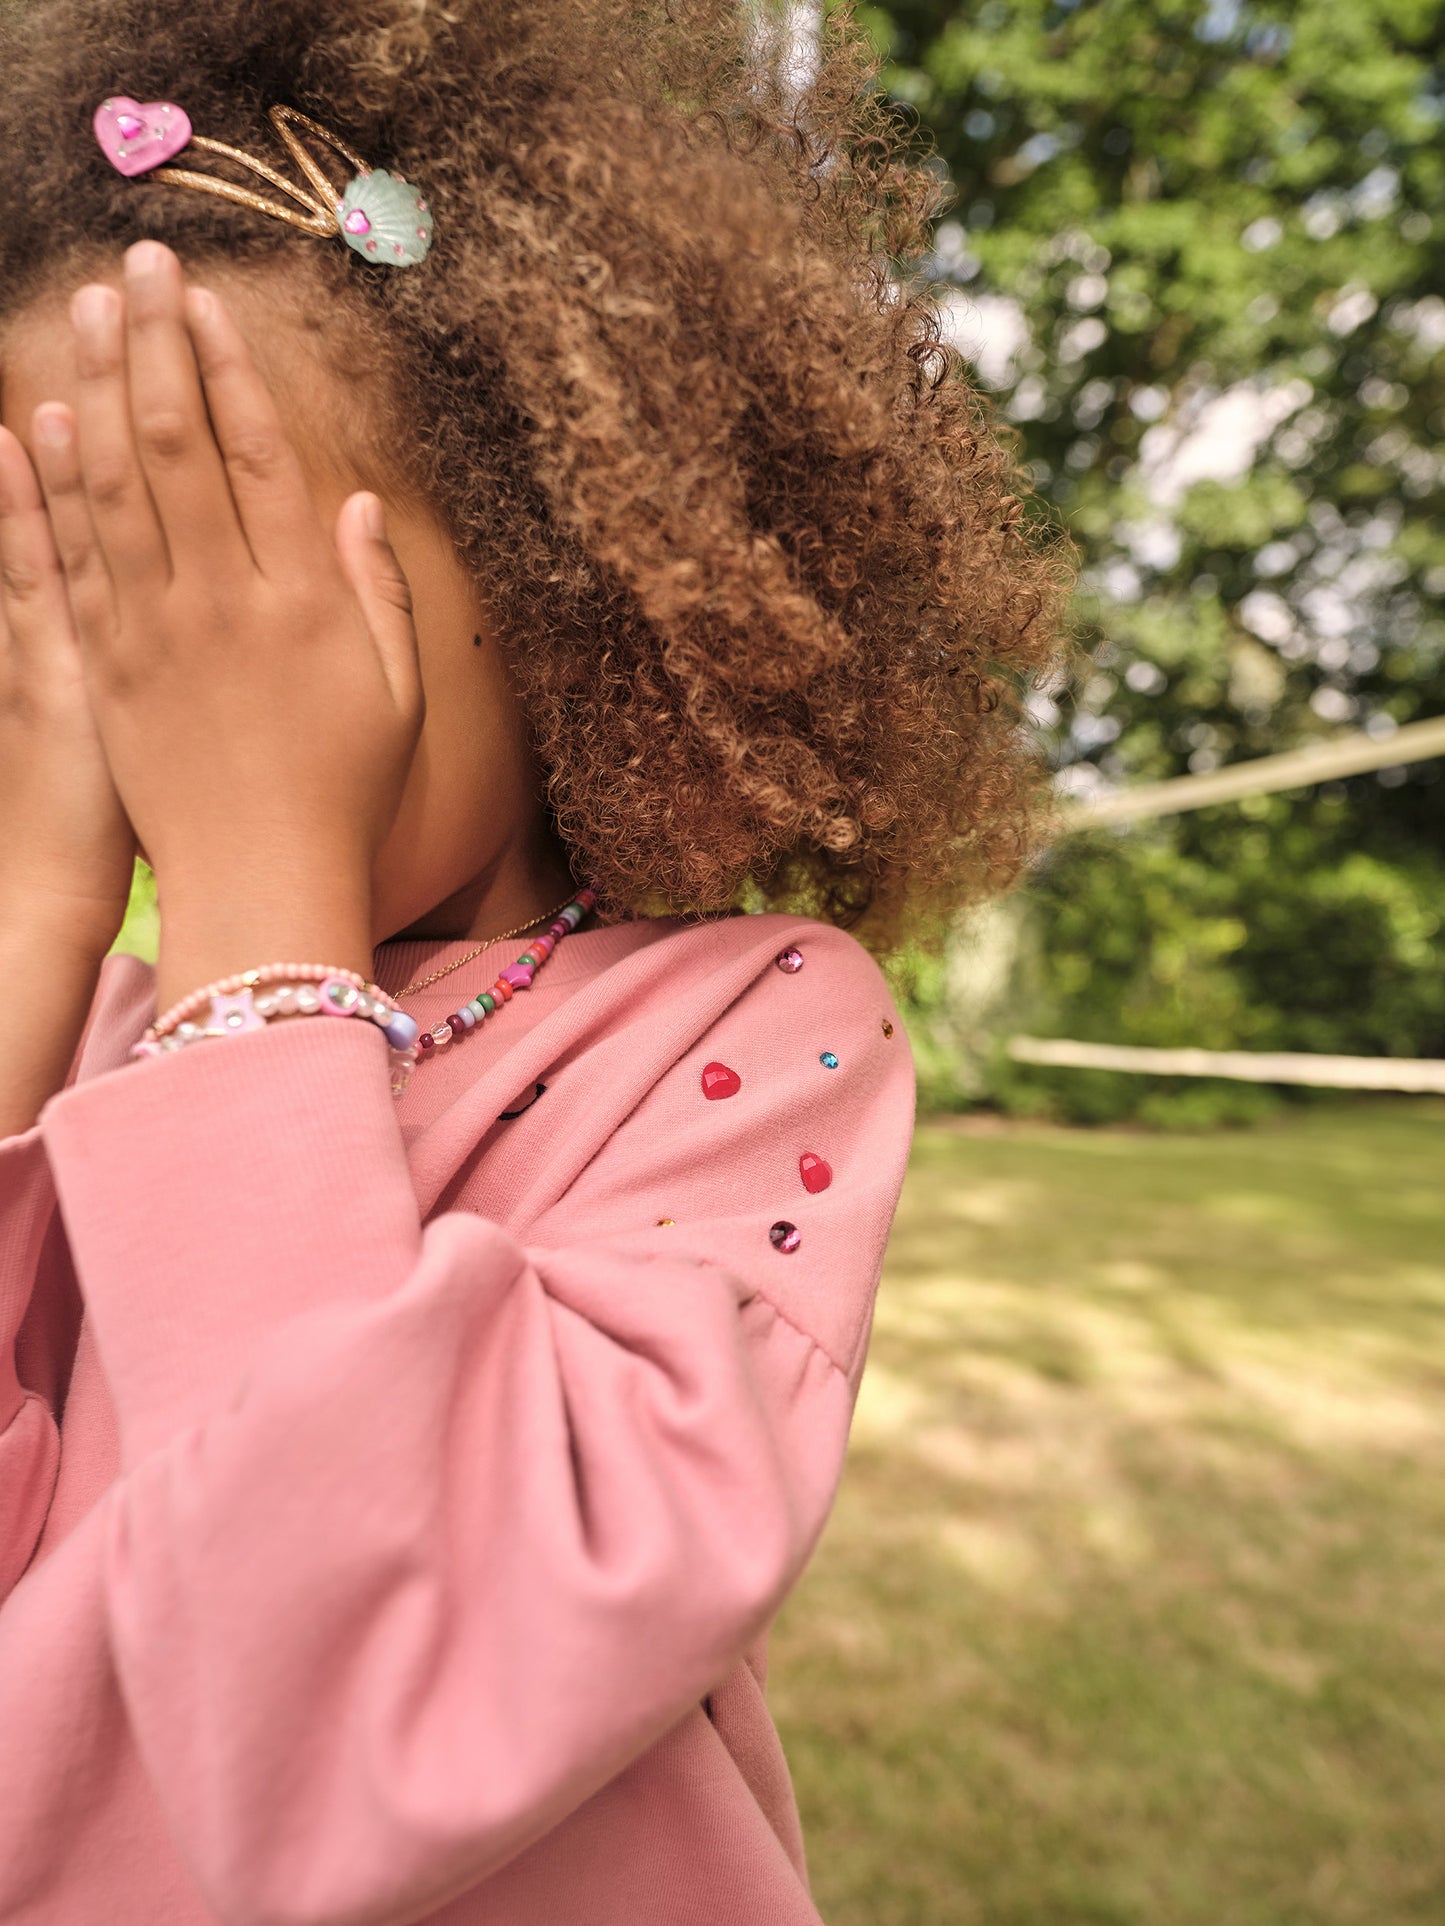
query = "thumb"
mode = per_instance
[{"x": 367, "y": 556}]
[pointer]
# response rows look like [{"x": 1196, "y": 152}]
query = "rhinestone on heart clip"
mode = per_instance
[{"x": 381, "y": 215}]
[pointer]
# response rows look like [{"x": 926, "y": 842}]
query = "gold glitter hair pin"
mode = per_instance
[{"x": 381, "y": 215}]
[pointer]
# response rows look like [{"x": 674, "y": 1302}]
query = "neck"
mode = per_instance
[{"x": 507, "y": 895}]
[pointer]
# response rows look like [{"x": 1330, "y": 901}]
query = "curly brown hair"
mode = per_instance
[{"x": 762, "y": 557}]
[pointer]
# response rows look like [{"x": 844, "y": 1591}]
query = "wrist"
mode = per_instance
[{"x": 229, "y": 931}]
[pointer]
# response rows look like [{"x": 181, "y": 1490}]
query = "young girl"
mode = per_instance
[{"x": 541, "y": 598}]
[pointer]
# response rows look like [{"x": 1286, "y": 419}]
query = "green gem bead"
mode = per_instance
[{"x": 488, "y": 1003}]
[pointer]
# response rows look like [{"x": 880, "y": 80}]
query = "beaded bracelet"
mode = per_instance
[
  {"x": 253, "y": 979},
  {"x": 304, "y": 989},
  {"x": 309, "y": 989}
]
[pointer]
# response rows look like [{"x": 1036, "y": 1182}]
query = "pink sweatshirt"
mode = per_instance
[{"x": 395, "y": 1496}]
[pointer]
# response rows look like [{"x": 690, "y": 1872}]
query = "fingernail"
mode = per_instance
[
  {"x": 374, "y": 518},
  {"x": 52, "y": 427},
  {"x": 143, "y": 260}
]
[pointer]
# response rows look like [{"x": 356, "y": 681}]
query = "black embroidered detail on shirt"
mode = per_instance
[{"x": 537, "y": 1092}]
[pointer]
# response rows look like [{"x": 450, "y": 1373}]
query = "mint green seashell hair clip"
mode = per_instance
[{"x": 381, "y": 215}]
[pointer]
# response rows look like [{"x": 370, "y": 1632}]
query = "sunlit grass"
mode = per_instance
[
  {"x": 139, "y": 934},
  {"x": 1132, "y": 1608}
]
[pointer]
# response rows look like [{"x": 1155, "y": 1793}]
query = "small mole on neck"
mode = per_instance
[{"x": 476, "y": 641}]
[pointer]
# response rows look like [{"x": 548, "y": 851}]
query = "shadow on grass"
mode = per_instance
[{"x": 1132, "y": 1608}]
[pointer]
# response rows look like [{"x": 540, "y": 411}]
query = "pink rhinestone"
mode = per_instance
[
  {"x": 397, "y": 248},
  {"x": 785, "y": 1237},
  {"x": 371, "y": 247},
  {"x": 790, "y": 960},
  {"x": 422, "y": 233},
  {"x": 357, "y": 222}
]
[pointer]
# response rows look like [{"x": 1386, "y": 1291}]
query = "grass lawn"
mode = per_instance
[{"x": 1131, "y": 1611}]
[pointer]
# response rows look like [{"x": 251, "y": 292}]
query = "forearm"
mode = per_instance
[{"x": 49, "y": 985}]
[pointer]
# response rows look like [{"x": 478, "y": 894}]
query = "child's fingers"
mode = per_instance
[
  {"x": 177, "y": 449},
  {"x": 89, "y": 590},
  {"x": 372, "y": 568},
  {"x": 121, "y": 509},
  {"x": 32, "y": 588},
  {"x": 267, "y": 483}
]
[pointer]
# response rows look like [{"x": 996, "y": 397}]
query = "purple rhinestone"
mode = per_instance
[
  {"x": 785, "y": 1237},
  {"x": 790, "y": 959},
  {"x": 357, "y": 222}
]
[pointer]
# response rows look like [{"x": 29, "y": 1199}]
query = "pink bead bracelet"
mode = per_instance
[{"x": 253, "y": 980}]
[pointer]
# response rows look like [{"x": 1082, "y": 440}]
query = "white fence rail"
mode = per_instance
[
  {"x": 1347, "y": 755},
  {"x": 1246, "y": 1066}
]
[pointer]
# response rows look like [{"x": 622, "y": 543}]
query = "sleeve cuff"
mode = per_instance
[
  {"x": 27, "y": 1202},
  {"x": 217, "y": 1192}
]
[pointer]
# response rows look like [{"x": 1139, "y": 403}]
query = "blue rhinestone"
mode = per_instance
[{"x": 828, "y": 1060}]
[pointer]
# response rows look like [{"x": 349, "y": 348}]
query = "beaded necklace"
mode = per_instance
[{"x": 516, "y": 976}]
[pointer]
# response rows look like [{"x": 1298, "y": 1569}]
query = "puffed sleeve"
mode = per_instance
[
  {"x": 423, "y": 1534},
  {"x": 37, "y": 1311},
  {"x": 29, "y": 1441}
]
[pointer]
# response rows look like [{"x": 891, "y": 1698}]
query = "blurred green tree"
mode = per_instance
[{"x": 1196, "y": 253}]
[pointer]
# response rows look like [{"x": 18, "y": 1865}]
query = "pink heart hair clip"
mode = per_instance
[
  {"x": 136, "y": 136},
  {"x": 380, "y": 215}
]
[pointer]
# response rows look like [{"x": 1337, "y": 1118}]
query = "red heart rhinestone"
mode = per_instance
[
  {"x": 719, "y": 1081},
  {"x": 816, "y": 1174}
]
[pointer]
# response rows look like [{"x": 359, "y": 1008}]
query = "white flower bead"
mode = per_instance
[
  {"x": 307, "y": 999},
  {"x": 286, "y": 1000},
  {"x": 264, "y": 1005}
]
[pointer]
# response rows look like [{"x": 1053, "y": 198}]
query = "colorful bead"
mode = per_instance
[
  {"x": 503, "y": 990},
  {"x": 400, "y": 1030},
  {"x": 815, "y": 1173},
  {"x": 718, "y": 1081},
  {"x": 887, "y": 1028},
  {"x": 487, "y": 1001},
  {"x": 426, "y": 1041},
  {"x": 789, "y": 960},
  {"x": 785, "y": 1237},
  {"x": 828, "y": 1060},
  {"x": 338, "y": 996},
  {"x": 466, "y": 1018}
]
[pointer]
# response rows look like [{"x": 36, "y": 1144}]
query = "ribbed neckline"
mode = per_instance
[{"x": 397, "y": 963}]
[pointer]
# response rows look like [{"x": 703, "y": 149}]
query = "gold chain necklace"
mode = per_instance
[{"x": 412, "y": 988}]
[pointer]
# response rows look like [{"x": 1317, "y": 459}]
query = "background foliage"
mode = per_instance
[{"x": 1196, "y": 252}]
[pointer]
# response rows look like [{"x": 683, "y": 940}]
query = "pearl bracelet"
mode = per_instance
[
  {"x": 305, "y": 989},
  {"x": 253, "y": 979}
]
